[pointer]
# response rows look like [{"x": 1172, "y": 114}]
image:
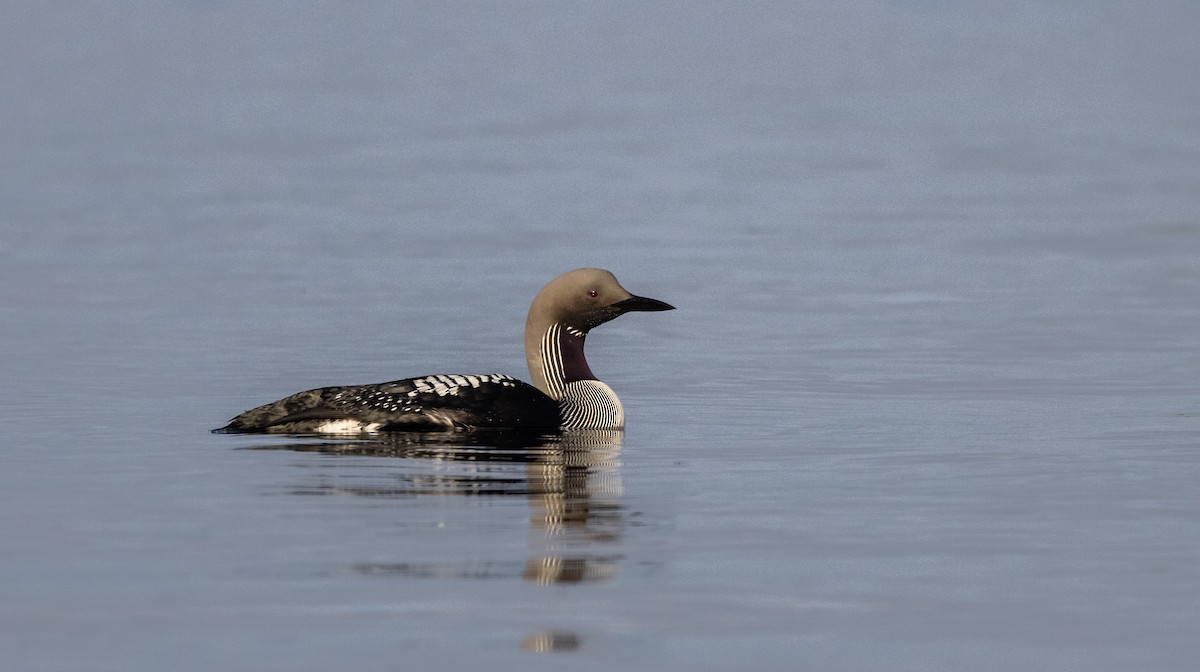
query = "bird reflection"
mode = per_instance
[
  {"x": 571, "y": 480},
  {"x": 550, "y": 641}
]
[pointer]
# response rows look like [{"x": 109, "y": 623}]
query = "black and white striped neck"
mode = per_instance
[
  {"x": 586, "y": 403},
  {"x": 560, "y": 351}
]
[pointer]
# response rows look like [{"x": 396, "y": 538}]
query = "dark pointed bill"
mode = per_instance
[{"x": 641, "y": 303}]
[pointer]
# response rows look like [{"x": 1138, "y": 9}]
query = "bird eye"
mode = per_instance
[{"x": 593, "y": 293}]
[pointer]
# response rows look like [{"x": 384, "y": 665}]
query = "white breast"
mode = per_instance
[{"x": 590, "y": 404}]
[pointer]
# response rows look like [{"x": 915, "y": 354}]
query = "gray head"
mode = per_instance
[
  {"x": 585, "y": 298},
  {"x": 562, "y": 314}
]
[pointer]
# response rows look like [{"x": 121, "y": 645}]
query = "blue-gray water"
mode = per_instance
[{"x": 931, "y": 399}]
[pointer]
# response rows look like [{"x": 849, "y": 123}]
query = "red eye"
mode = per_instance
[{"x": 593, "y": 293}]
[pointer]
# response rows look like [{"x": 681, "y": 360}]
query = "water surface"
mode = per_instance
[{"x": 929, "y": 401}]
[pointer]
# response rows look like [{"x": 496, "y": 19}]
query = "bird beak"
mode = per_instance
[{"x": 641, "y": 303}]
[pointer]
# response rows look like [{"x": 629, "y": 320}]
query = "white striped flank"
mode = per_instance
[
  {"x": 552, "y": 361},
  {"x": 590, "y": 404}
]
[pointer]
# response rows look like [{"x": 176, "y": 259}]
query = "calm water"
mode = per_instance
[{"x": 931, "y": 399}]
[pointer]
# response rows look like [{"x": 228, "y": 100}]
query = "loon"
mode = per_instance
[{"x": 565, "y": 394}]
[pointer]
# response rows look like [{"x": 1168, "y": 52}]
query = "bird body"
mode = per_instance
[{"x": 565, "y": 394}]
